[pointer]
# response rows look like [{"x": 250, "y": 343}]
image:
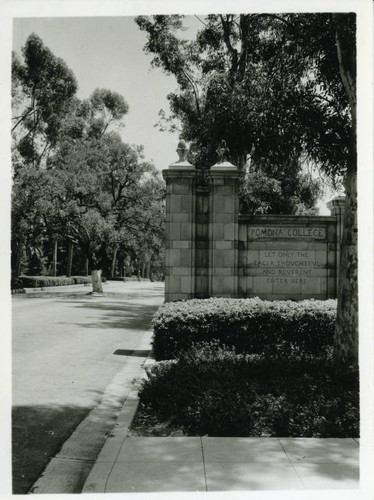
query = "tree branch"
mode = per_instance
[
  {"x": 202, "y": 22},
  {"x": 194, "y": 88},
  {"x": 23, "y": 117},
  {"x": 230, "y": 48}
]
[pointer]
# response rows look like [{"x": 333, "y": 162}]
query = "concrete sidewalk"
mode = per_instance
[{"x": 136, "y": 464}]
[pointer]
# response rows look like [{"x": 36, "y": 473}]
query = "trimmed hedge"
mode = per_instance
[
  {"x": 212, "y": 390},
  {"x": 250, "y": 325},
  {"x": 135, "y": 278},
  {"x": 82, "y": 280},
  {"x": 46, "y": 281}
]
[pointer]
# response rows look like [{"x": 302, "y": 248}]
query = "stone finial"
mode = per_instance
[
  {"x": 182, "y": 150},
  {"x": 222, "y": 152},
  {"x": 336, "y": 205},
  {"x": 182, "y": 163},
  {"x": 223, "y": 164}
]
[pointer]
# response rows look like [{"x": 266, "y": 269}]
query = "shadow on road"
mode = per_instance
[
  {"x": 38, "y": 432},
  {"x": 137, "y": 353},
  {"x": 86, "y": 293},
  {"x": 127, "y": 316}
]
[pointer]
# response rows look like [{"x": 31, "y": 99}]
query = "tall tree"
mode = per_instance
[
  {"x": 229, "y": 89},
  {"x": 106, "y": 108},
  {"x": 42, "y": 90},
  {"x": 346, "y": 338},
  {"x": 280, "y": 88},
  {"x": 74, "y": 179}
]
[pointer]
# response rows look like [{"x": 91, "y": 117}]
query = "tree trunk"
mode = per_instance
[
  {"x": 346, "y": 332},
  {"x": 114, "y": 260},
  {"x": 54, "y": 261},
  {"x": 127, "y": 266},
  {"x": 86, "y": 266},
  {"x": 97, "y": 286},
  {"x": 138, "y": 272},
  {"x": 17, "y": 270},
  {"x": 70, "y": 259}
]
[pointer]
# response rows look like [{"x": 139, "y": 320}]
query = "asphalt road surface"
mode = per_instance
[{"x": 66, "y": 349}]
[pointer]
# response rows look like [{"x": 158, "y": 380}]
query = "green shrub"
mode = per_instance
[
  {"x": 212, "y": 390},
  {"x": 16, "y": 284},
  {"x": 45, "y": 281},
  {"x": 250, "y": 325},
  {"x": 81, "y": 280}
]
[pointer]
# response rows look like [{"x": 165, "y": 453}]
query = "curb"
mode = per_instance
[
  {"x": 120, "y": 431},
  {"x": 55, "y": 288}
]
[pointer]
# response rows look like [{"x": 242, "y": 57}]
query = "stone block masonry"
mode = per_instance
[
  {"x": 180, "y": 231},
  {"x": 223, "y": 231},
  {"x": 213, "y": 251}
]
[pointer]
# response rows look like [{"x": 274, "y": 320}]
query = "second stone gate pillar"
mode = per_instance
[{"x": 224, "y": 208}]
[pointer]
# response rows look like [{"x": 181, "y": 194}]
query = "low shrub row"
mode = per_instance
[
  {"x": 129, "y": 278},
  {"x": 135, "y": 278},
  {"x": 212, "y": 390},
  {"x": 46, "y": 281},
  {"x": 82, "y": 280},
  {"x": 250, "y": 325}
]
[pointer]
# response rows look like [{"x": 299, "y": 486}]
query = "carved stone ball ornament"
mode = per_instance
[
  {"x": 182, "y": 150},
  {"x": 182, "y": 163}
]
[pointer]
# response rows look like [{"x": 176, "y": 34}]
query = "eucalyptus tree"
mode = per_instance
[
  {"x": 42, "y": 90},
  {"x": 224, "y": 93},
  {"x": 73, "y": 177}
]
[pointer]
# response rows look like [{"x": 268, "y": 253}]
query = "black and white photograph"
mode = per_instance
[{"x": 187, "y": 250}]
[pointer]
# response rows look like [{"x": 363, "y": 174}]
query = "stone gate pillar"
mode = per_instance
[
  {"x": 180, "y": 180},
  {"x": 224, "y": 208}
]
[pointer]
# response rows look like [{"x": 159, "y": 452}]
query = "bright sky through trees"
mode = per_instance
[{"x": 107, "y": 52}]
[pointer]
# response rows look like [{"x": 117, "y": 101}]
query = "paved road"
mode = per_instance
[{"x": 67, "y": 347}]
